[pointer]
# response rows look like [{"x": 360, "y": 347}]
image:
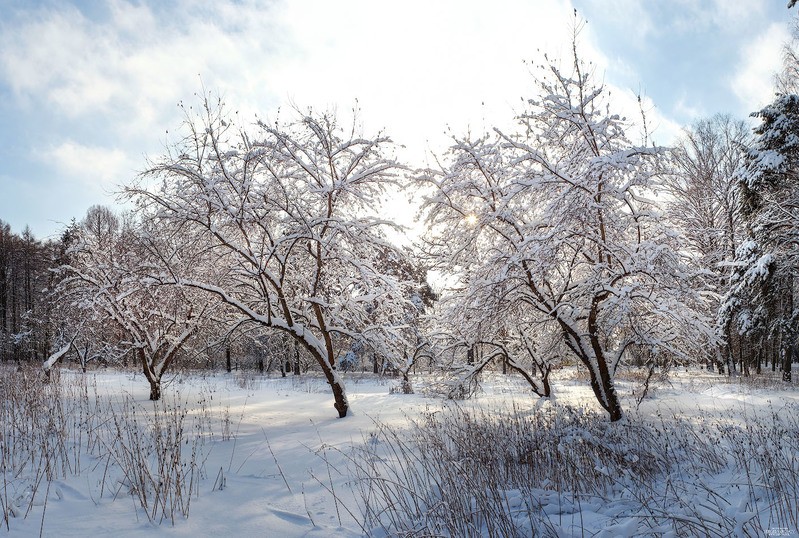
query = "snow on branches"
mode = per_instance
[
  {"x": 760, "y": 304},
  {"x": 109, "y": 277},
  {"x": 556, "y": 219},
  {"x": 288, "y": 215}
]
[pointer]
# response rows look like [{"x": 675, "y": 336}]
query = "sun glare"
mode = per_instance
[{"x": 471, "y": 219}]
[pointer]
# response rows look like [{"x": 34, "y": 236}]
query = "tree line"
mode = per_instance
[{"x": 562, "y": 240}]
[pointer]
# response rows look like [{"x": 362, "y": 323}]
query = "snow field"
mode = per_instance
[{"x": 247, "y": 455}]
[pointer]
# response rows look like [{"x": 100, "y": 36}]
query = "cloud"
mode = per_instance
[
  {"x": 415, "y": 66},
  {"x": 760, "y": 59},
  {"x": 686, "y": 109},
  {"x": 644, "y": 119},
  {"x": 98, "y": 86},
  {"x": 89, "y": 168},
  {"x": 133, "y": 63},
  {"x": 737, "y": 14},
  {"x": 631, "y": 19},
  {"x": 74, "y": 176}
]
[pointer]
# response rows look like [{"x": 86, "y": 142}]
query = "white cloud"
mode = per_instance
[
  {"x": 660, "y": 129},
  {"x": 418, "y": 66},
  {"x": 91, "y": 169},
  {"x": 415, "y": 66},
  {"x": 75, "y": 177},
  {"x": 110, "y": 80},
  {"x": 133, "y": 66},
  {"x": 663, "y": 130},
  {"x": 753, "y": 79},
  {"x": 684, "y": 107},
  {"x": 737, "y": 14},
  {"x": 631, "y": 18}
]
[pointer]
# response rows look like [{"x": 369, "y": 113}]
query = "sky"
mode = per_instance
[{"x": 90, "y": 89}]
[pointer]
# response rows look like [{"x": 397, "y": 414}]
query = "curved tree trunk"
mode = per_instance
[
  {"x": 336, "y": 385},
  {"x": 341, "y": 404},
  {"x": 605, "y": 392},
  {"x": 339, "y": 396},
  {"x": 540, "y": 386},
  {"x": 601, "y": 376}
]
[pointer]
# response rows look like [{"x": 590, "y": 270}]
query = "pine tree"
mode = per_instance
[{"x": 760, "y": 305}]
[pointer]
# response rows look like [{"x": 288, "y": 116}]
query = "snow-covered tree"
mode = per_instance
[
  {"x": 557, "y": 217},
  {"x": 109, "y": 279},
  {"x": 787, "y": 80},
  {"x": 761, "y": 304},
  {"x": 288, "y": 214},
  {"x": 703, "y": 203},
  {"x": 704, "y": 187},
  {"x": 410, "y": 344},
  {"x": 487, "y": 328}
]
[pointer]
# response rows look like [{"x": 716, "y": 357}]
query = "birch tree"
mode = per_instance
[{"x": 704, "y": 204}]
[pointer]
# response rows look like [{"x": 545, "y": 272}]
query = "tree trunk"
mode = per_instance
[
  {"x": 328, "y": 368},
  {"x": 601, "y": 377},
  {"x": 14, "y": 319},
  {"x": 741, "y": 360},
  {"x": 228, "y": 366},
  {"x": 745, "y": 362},
  {"x": 547, "y": 387},
  {"x": 296, "y": 358},
  {"x": 155, "y": 389},
  {"x": 340, "y": 399},
  {"x": 152, "y": 377},
  {"x": 759, "y": 365},
  {"x": 773, "y": 356},
  {"x": 605, "y": 392},
  {"x": 544, "y": 391},
  {"x": 407, "y": 388},
  {"x": 786, "y": 364}
]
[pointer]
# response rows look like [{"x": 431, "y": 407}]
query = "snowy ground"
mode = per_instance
[{"x": 273, "y": 459}]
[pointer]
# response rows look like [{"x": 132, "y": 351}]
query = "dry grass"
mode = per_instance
[
  {"x": 63, "y": 428},
  {"x": 505, "y": 473}
]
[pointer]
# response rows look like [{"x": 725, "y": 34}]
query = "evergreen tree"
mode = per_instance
[{"x": 760, "y": 305}]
